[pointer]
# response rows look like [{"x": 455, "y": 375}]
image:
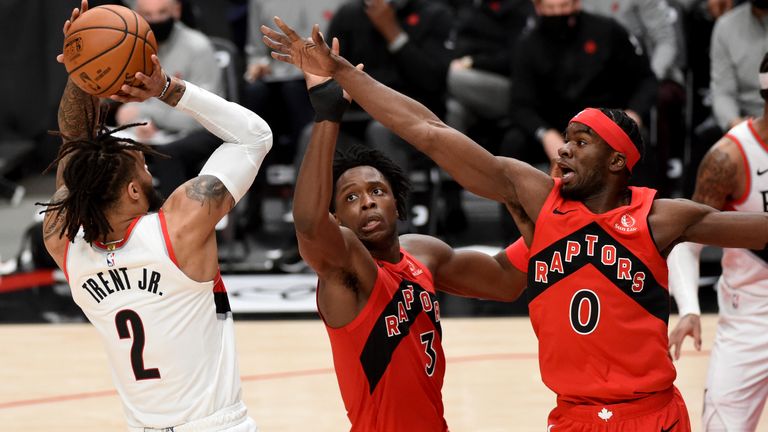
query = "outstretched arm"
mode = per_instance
[
  {"x": 500, "y": 179},
  {"x": 470, "y": 273},
  {"x": 344, "y": 267}
]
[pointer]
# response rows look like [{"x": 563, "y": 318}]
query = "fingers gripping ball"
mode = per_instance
[{"x": 105, "y": 47}]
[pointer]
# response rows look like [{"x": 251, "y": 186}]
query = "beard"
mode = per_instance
[
  {"x": 154, "y": 197},
  {"x": 588, "y": 186}
]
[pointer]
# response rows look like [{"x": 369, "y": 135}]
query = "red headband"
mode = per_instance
[{"x": 610, "y": 132}]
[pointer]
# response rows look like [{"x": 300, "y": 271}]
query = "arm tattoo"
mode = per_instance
[
  {"x": 53, "y": 221},
  {"x": 175, "y": 92},
  {"x": 208, "y": 190},
  {"x": 78, "y": 113},
  {"x": 715, "y": 182}
]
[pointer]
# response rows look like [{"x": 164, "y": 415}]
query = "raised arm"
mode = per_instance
[
  {"x": 345, "y": 268},
  {"x": 317, "y": 230},
  {"x": 194, "y": 208},
  {"x": 78, "y": 119},
  {"x": 500, "y": 179},
  {"x": 231, "y": 169}
]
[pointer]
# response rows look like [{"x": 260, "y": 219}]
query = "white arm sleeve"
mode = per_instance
[
  {"x": 683, "y": 263},
  {"x": 247, "y": 138}
]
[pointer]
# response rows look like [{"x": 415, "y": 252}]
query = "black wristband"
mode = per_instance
[{"x": 328, "y": 101}]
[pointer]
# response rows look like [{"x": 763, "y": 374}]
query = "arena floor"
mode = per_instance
[{"x": 56, "y": 377}]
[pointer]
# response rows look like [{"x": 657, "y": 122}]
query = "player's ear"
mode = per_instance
[
  {"x": 618, "y": 161},
  {"x": 134, "y": 190}
]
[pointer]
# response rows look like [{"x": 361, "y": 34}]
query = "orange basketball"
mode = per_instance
[{"x": 105, "y": 47}]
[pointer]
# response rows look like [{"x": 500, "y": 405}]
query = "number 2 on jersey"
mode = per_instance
[{"x": 122, "y": 319}]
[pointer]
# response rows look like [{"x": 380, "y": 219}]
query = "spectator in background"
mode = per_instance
[
  {"x": 403, "y": 44},
  {"x": 271, "y": 81},
  {"x": 657, "y": 26},
  {"x": 187, "y": 54},
  {"x": 486, "y": 32},
  {"x": 739, "y": 39},
  {"x": 571, "y": 59},
  {"x": 276, "y": 91}
]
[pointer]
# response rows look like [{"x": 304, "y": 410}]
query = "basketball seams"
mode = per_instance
[
  {"x": 135, "y": 27},
  {"x": 125, "y": 32},
  {"x": 135, "y": 17},
  {"x": 143, "y": 37},
  {"x": 96, "y": 56},
  {"x": 120, "y": 75}
]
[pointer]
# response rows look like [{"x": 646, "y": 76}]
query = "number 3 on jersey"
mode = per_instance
[
  {"x": 427, "y": 339},
  {"x": 585, "y": 311},
  {"x": 122, "y": 319}
]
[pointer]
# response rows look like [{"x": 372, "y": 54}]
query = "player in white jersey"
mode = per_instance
[
  {"x": 149, "y": 281},
  {"x": 733, "y": 175}
]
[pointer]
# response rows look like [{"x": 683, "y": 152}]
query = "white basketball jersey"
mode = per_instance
[
  {"x": 169, "y": 339},
  {"x": 743, "y": 269}
]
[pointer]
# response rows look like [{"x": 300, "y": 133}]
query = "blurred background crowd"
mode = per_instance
[{"x": 508, "y": 73}]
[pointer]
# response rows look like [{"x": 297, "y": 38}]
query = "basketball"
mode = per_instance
[{"x": 105, "y": 47}]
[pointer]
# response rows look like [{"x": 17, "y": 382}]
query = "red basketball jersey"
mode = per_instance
[
  {"x": 389, "y": 360},
  {"x": 599, "y": 302}
]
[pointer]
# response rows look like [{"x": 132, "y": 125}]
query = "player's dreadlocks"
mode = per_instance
[
  {"x": 98, "y": 168},
  {"x": 359, "y": 155}
]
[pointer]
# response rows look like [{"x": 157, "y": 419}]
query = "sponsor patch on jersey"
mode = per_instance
[
  {"x": 626, "y": 224},
  {"x": 415, "y": 271}
]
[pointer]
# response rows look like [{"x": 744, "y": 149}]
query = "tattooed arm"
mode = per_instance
[
  {"x": 78, "y": 119},
  {"x": 721, "y": 175},
  {"x": 721, "y": 178},
  {"x": 194, "y": 209}
]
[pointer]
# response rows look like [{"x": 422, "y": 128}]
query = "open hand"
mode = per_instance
[
  {"x": 310, "y": 55},
  {"x": 689, "y": 325},
  {"x": 315, "y": 80},
  {"x": 68, "y": 23},
  {"x": 145, "y": 86}
]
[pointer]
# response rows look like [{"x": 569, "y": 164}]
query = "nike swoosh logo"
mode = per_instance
[
  {"x": 670, "y": 426},
  {"x": 558, "y": 212},
  {"x": 761, "y": 172}
]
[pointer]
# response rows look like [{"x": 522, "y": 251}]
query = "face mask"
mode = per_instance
[
  {"x": 560, "y": 26},
  {"x": 162, "y": 29},
  {"x": 760, "y": 4}
]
